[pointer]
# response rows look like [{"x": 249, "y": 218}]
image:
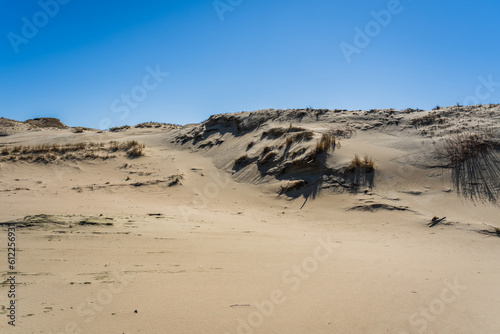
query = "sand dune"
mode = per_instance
[{"x": 256, "y": 222}]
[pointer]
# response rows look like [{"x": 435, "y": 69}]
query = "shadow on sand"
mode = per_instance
[{"x": 360, "y": 178}]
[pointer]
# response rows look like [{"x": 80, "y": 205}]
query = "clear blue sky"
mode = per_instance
[{"x": 246, "y": 55}]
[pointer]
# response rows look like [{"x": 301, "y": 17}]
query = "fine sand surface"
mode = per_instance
[{"x": 204, "y": 234}]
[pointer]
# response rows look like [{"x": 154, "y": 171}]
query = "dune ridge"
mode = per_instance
[{"x": 272, "y": 221}]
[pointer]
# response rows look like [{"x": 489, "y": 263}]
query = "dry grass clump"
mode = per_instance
[
  {"x": 323, "y": 145},
  {"x": 175, "y": 180},
  {"x": 274, "y": 132},
  {"x": 39, "y": 158},
  {"x": 130, "y": 144},
  {"x": 475, "y": 171},
  {"x": 411, "y": 110},
  {"x": 327, "y": 142},
  {"x": 136, "y": 151},
  {"x": 125, "y": 146},
  {"x": 279, "y": 132},
  {"x": 50, "y": 148},
  {"x": 133, "y": 148},
  {"x": 267, "y": 158},
  {"x": 345, "y": 131},
  {"x": 293, "y": 128},
  {"x": 149, "y": 125},
  {"x": 367, "y": 164},
  {"x": 119, "y": 128},
  {"x": 297, "y": 152},
  {"x": 74, "y": 151},
  {"x": 355, "y": 163},
  {"x": 299, "y": 136},
  {"x": 465, "y": 146},
  {"x": 429, "y": 119},
  {"x": 156, "y": 125},
  {"x": 292, "y": 185},
  {"x": 267, "y": 149},
  {"x": 114, "y": 146}
]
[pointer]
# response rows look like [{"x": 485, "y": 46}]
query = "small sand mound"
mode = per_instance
[
  {"x": 379, "y": 206},
  {"x": 46, "y": 122},
  {"x": 34, "y": 220}
]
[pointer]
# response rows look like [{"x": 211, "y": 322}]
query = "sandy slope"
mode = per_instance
[{"x": 220, "y": 252}]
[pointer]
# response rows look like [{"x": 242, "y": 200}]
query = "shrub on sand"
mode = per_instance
[
  {"x": 72, "y": 151},
  {"x": 136, "y": 151},
  {"x": 367, "y": 164},
  {"x": 466, "y": 146},
  {"x": 327, "y": 142}
]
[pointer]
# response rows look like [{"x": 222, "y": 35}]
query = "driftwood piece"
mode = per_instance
[{"x": 436, "y": 220}]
